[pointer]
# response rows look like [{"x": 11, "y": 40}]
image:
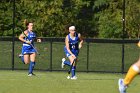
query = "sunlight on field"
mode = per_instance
[{"x": 56, "y": 82}]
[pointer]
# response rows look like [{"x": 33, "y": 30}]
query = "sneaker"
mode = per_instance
[
  {"x": 73, "y": 78},
  {"x": 63, "y": 60},
  {"x": 68, "y": 77},
  {"x": 122, "y": 86},
  {"x": 20, "y": 55},
  {"x": 31, "y": 74}
]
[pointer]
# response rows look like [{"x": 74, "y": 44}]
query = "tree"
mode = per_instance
[
  {"x": 108, "y": 16},
  {"x": 92, "y": 18},
  {"x": 6, "y": 17},
  {"x": 132, "y": 18}
]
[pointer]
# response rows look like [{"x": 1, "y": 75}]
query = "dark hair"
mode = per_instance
[{"x": 26, "y": 23}]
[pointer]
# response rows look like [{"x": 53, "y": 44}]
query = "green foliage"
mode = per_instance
[
  {"x": 109, "y": 15},
  {"x": 6, "y": 18},
  {"x": 132, "y": 18},
  {"x": 92, "y": 18}
]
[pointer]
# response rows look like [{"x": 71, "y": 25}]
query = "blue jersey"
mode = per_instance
[
  {"x": 27, "y": 48},
  {"x": 73, "y": 45}
]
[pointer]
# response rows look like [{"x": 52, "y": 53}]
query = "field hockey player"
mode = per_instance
[
  {"x": 73, "y": 42},
  {"x": 28, "y": 54}
]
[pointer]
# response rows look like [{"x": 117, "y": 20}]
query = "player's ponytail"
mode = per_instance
[{"x": 26, "y": 23}]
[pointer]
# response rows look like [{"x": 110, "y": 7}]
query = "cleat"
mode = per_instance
[
  {"x": 122, "y": 86},
  {"x": 31, "y": 74},
  {"x": 20, "y": 55},
  {"x": 73, "y": 78},
  {"x": 63, "y": 60}
]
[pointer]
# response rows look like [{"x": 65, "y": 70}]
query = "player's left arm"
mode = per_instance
[{"x": 81, "y": 40}]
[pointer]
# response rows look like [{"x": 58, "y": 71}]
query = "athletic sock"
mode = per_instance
[
  {"x": 31, "y": 67},
  {"x": 132, "y": 72},
  {"x": 67, "y": 63},
  {"x": 73, "y": 71},
  {"x": 22, "y": 59}
]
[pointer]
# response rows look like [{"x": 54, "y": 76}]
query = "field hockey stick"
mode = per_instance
[
  {"x": 74, "y": 61},
  {"x": 31, "y": 44},
  {"x": 71, "y": 66},
  {"x": 35, "y": 49}
]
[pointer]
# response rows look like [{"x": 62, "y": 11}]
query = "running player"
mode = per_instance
[
  {"x": 132, "y": 72},
  {"x": 73, "y": 42},
  {"x": 28, "y": 52}
]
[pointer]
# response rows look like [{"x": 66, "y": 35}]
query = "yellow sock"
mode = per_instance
[{"x": 132, "y": 72}]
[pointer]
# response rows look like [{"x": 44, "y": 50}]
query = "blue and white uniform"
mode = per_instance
[
  {"x": 27, "y": 48},
  {"x": 73, "y": 45}
]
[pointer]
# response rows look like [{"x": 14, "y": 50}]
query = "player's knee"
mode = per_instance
[
  {"x": 26, "y": 62},
  {"x": 32, "y": 59},
  {"x": 137, "y": 63},
  {"x": 138, "y": 60}
]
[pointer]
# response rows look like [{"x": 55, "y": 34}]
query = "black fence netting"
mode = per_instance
[{"x": 96, "y": 55}]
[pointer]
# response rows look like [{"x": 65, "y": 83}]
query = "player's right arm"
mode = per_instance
[
  {"x": 67, "y": 46},
  {"x": 22, "y": 36},
  {"x": 81, "y": 41}
]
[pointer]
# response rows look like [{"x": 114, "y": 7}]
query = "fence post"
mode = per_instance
[
  {"x": 87, "y": 55},
  {"x": 13, "y": 37},
  {"x": 123, "y": 22},
  {"x": 122, "y": 71},
  {"x": 51, "y": 54}
]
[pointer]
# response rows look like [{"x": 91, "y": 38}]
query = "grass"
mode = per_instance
[{"x": 56, "y": 82}]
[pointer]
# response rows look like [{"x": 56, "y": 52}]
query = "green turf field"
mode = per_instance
[
  {"x": 56, "y": 82},
  {"x": 102, "y": 57}
]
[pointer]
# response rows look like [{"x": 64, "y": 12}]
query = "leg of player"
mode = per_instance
[
  {"x": 32, "y": 64},
  {"x": 65, "y": 62},
  {"x": 21, "y": 56},
  {"x": 73, "y": 76},
  {"x": 132, "y": 72},
  {"x": 26, "y": 58}
]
